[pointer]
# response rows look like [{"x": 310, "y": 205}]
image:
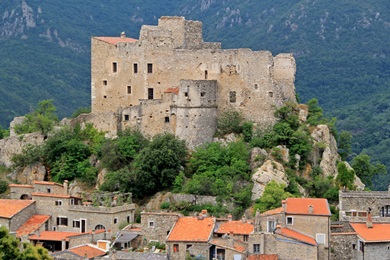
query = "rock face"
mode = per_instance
[
  {"x": 29, "y": 174},
  {"x": 269, "y": 171},
  {"x": 325, "y": 150},
  {"x": 15, "y": 144},
  {"x": 258, "y": 157},
  {"x": 359, "y": 185}
]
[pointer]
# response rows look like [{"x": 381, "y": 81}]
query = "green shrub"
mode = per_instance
[{"x": 3, "y": 186}]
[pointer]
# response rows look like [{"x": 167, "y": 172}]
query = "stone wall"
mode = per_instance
[
  {"x": 342, "y": 246},
  {"x": 156, "y": 226},
  {"x": 196, "y": 249},
  {"x": 22, "y": 216}
]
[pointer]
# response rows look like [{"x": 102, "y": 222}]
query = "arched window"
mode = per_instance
[
  {"x": 99, "y": 227},
  {"x": 25, "y": 197}
]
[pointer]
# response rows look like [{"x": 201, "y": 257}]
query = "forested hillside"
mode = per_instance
[{"x": 341, "y": 47}]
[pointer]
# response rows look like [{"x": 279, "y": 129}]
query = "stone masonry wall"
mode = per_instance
[
  {"x": 162, "y": 224},
  {"x": 341, "y": 245},
  {"x": 22, "y": 216}
]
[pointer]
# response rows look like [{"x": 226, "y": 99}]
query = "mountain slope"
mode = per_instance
[{"x": 341, "y": 47}]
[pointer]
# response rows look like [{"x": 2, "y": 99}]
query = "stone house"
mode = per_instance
[
  {"x": 13, "y": 213},
  {"x": 81, "y": 252},
  {"x": 300, "y": 229},
  {"x": 190, "y": 236},
  {"x": 238, "y": 229},
  {"x": 156, "y": 226},
  {"x": 170, "y": 80}
]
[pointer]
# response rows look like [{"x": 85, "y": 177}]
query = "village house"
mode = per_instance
[
  {"x": 170, "y": 80},
  {"x": 83, "y": 252}
]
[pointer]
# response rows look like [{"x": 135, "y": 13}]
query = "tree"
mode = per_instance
[
  {"x": 344, "y": 144},
  {"x": 365, "y": 170},
  {"x": 11, "y": 248},
  {"x": 345, "y": 177},
  {"x": 272, "y": 197},
  {"x": 315, "y": 112},
  {"x": 3, "y": 186},
  {"x": 42, "y": 119},
  {"x": 229, "y": 122}
]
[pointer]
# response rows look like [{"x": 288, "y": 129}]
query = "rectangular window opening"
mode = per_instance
[
  {"x": 256, "y": 248},
  {"x": 150, "y": 68},
  {"x": 289, "y": 221},
  {"x": 127, "y": 117},
  {"x": 128, "y": 89},
  {"x": 58, "y": 202},
  {"x": 62, "y": 221},
  {"x": 150, "y": 93},
  {"x": 232, "y": 96},
  {"x": 206, "y": 74},
  {"x": 320, "y": 239},
  {"x": 115, "y": 220},
  {"x": 104, "y": 82},
  {"x": 114, "y": 67},
  {"x": 202, "y": 94},
  {"x": 135, "y": 68},
  {"x": 76, "y": 223},
  {"x": 167, "y": 119},
  {"x": 175, "y": 248}
]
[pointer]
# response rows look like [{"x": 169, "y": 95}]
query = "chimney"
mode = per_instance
[
  {"x": 63, "y": 244},
  {"x": 123, "y": 35},
  {"x": 204, "y": 212},
  {"x": 230, "y": 217},
  {"x": 66, "y": 187},
  {"x": 284, "y": 204},
  {"x": 243, "y": 219},
  {"x": 369, "y": 219},
  {"x": 310, "y": 209},
  {"x": 231, "y": 239}
]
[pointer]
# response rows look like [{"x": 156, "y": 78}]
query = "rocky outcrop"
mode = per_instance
[
  {"x": 258, "y": 157},
  {"x": 29, "y": 174},
  {"x": 325, "y": 150},
  {"x": 269, "y": 171},
  {"x": 357, "y": 183},
  {"x": 14, "y": 145}
]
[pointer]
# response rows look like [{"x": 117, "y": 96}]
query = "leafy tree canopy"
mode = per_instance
[
  {"x": 365, "y": 170},
  {"x": 272, "y": 197}
]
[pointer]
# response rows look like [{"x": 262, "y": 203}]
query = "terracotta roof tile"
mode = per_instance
[
  {"x": 31, "y": 225},
  {"x": 54, "y": 236},
  {"x": 237, "y": 227},
  {"x": 192, "y": 229},
  {"x": 115, "y": 40},
  {"x": 296, "y": 235},
  {"x": 225, "y": 243},
  {"x": 378, "y": 232},
  {"x": 9, "y": 208},
  {"x": 272, "y": 211},
  {"x": 301, "y": 206},
  {"x": 172, "y": 90},
  {"x": 87, "y": 251},
  {"x": 47, "y": 183},
  {"x": 21, "y": 186},
  {"x": 263, "y": 257}
]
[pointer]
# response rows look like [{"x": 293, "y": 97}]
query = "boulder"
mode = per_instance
[
  {"x": 269, "y": 171},
  {"x": 258, "y": 157},
  {"x": 29, "y": 174}
]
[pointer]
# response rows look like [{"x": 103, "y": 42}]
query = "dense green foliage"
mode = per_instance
[
  {"x": 272, "y": 197},
  {"x": 3, "y": 186},
  {"x": 11, "y": 248},
  {"x": 346, "y": 176},
  {"x": 367, "y": 171},
  {"x": 42, "y": 119}
]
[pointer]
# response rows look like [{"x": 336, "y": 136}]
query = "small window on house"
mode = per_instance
[
  {"x": 114, "y": 67},
  {"x": 256, "y": 248},
  {"x": 48, "y": 190},
  {"x": 58, "y": 202},
  {"x": 320, "y": 239},
  {"x": 354, "y": 246},
  {"x": 206, "y": 74},
  {"x": 127, "y": 117},
  {"x": 76, "y": 223},
  {"x": 289, "y": 220},
  {"x": 202, "y": 94},
  {"x": 128, "y": 219},
  {"x": 150, "y": 68},
  {"x": 62, "y": 221},
  {"x": 71, "y": 202},
  {"x": 270, "y": 94},
  {"x": 175, "y": 248},
  {"x": 188, "y": 246},
  {"x": 54, "y": 228},
  {"x": 150, "y": 93},
  {"x": 246, "y": 238},
  {"x": 186, "y": 94},
  {"x": 128, "y": 89},
  {"x": 115, "y": 220},
  {"x": 256, "y": 86},
  {"x": 135, "y": 68},
  {"x": 167, "y": 232},
  {"x": 167, "y": 119},
  {"x": 151, "y": 224},
  {"x": 361, "y": 246},
  {"x": 104, "y": 82},
  {"x": 105, "y": 96},
  {"x": 232, "y": 96},
  {"x": 271, "y": 226}
]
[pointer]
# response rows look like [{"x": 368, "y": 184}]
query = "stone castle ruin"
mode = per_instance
[{"x": 170, "y": 80}]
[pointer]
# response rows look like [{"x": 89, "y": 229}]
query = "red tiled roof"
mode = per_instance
[
  {"x": 301, "y": 206},
  {"x": 378, "y": 232},
  {"x": 54, "y": 236},
  {"x": 115, "y": 40},
  {"x": 9, "y": 208},
  {"x": 272, "y": 211},
  {"x": 87, "y": 251},
  {"x": 192, "y": 229},
  {"x": 31, "y": 225},
  {"x": 237, "y": 227},
  {"x": 52, "y": 195},
  {"x": 263, "y": 257},
  {"x": 47, "y": 183},
  {"x": 296, "y": 235},
  {"x": 172, "y": 90},
  {"x": 225, "y": 243},
  {"x": 21, "y": 186}
]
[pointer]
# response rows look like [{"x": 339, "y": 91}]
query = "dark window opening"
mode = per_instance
[
  {"x": 232, "y": 96},
  {"x": 105, "y": 96},
  {"x": 135, "y": 68},
  {"x": 104, "y": 82},
  {"x": 289, "y": 220},
  {"x": 62, "y": 221},
  {"x": 150, "y": 93},
  {"x": 202, "y": 94},
  {"x": 206, "y": 74},
  {"x": 186, "y": 94},
  {"x": 256, "y": 86},
  {"x": 270, "y": 94},
  {"x": 114, "y": 67},
  {"x": 175, "y": 248},
  {"x": 246, "y": 238},
  {"x": 127, "y": 117},
  {"x": 256, "y": 248},
  {"x": 76, "y": 223},
  {"x": 150, "y": 68},
  {"x": 128, "y": 89},
  {"x": 48, "y": 190},
  {"x": 128, "y": 219},
  {"x": 115, "y": 220},
  {"x": 167, "y": 119}
]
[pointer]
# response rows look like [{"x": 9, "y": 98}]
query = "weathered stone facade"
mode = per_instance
[
  {"x": 169, "y": 80},
  {"x": 156, "y": 226}
]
